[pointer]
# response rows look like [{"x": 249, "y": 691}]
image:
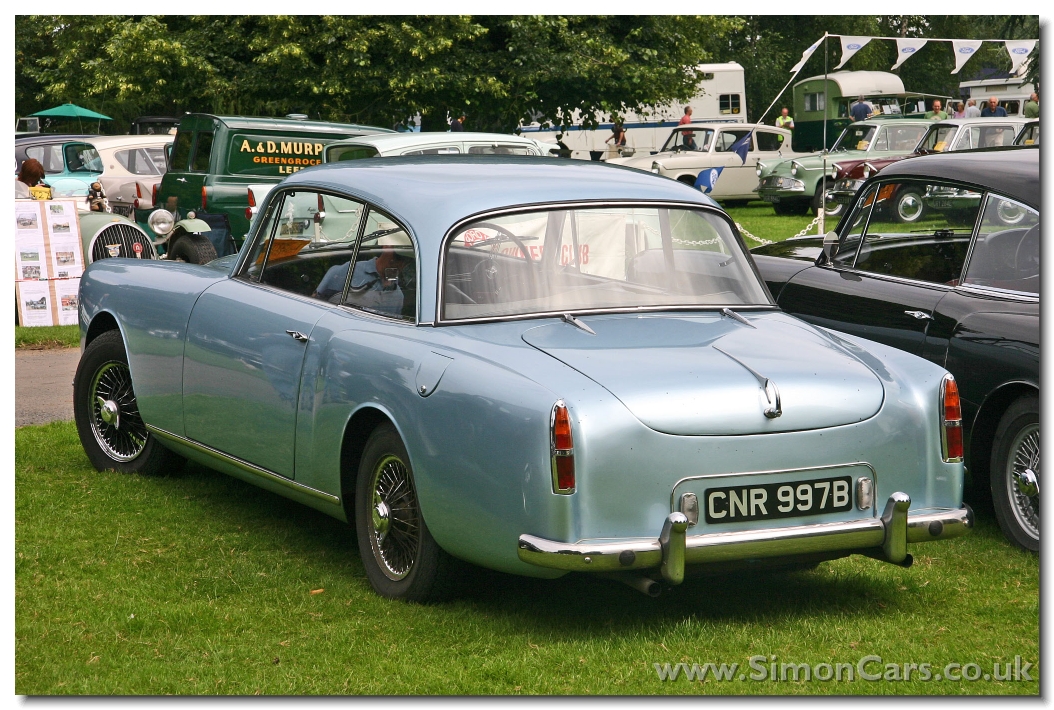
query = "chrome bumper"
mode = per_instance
[{"x": 885, "y": 537}]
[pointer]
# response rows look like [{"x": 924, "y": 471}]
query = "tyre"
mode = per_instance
[
  {"x": 111, "y": 431},
  {"x": 401, "y": 558},
  {"x": 792, "y": 208},
  {"x": 1015, "y": 473},
  {"x": 193, "y": 249},
  {"x": 908, "y": 207}
]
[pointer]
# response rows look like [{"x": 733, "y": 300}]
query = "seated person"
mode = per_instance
[{"x": 374, "y": 283}]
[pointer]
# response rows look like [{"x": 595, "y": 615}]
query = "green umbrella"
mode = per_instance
[{"x": 71, "y": 111}]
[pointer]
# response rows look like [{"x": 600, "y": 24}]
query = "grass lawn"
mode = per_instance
[
  {"x": 760, "y": 220},
  {"x": 46, "y": 337},
  {"x": 199, "y": 583}
]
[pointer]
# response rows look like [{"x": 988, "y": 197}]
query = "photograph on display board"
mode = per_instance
[
  {"x": 34, "y": 303},
  {"x": 67, "y": 297}
]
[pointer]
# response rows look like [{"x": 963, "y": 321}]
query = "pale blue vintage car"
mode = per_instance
[{"x": 533, "y": 366}]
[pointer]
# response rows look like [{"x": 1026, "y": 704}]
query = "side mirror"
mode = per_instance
[{"x": 830, "y": 245}]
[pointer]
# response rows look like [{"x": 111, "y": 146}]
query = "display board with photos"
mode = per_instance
[{"x": 49, "y": 261}]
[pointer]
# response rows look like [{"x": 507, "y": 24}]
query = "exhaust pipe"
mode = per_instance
[{"x": 644, "y": 585}]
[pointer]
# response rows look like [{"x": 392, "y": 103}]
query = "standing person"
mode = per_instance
[
  {"x": 1032, "y": 106},
  {"x": 971, "y": 109},
  {"x": 618, "y": 134},
  {"x": 784, "y": 120},
  {"x": 687, "y": 117},
  {"x": 992, "y": 109},
  {"x": 860, "y": 110},
  {"x": 457, "y": 125},
  {"x": 960, "y": 111},
  {"x": 30, "y": 182},
  {"x": 936, "y": 114}
]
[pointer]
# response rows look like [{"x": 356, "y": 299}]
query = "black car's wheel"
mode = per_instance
[
  {"x": 1015, "y": 473},
  {"x": 193, "y": 249},
  {"x": 108, "y": 422},
  {"x": 402, "y": 560},
  {"x": 791, "y": 208},
  {"x": 908, "y": 206},
  {"x": 833, "y": 209}
]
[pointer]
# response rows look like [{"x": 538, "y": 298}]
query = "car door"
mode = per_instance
[
  {"x": 737, "y": 178},
  {"x": 241, "y": 378},
  {"x": 887, "y": 276}
]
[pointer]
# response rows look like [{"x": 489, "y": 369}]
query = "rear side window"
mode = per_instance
[
  {"x": 350, "y": 152},
  {"x": 50, "y": 156},
  {"x": 1006, "y": 252},
  {"x": 726, "y": 139},
  {"x": 81, "y": 157},
  {"x": 986, "y": 137},
  {"x": 384, "y": 276},
  {"x": 181, "y": 151},
  {"x": 436, "y": 150},
  {"x": 139, "y": 161},
  {"x": 500, "y": 149},
  {"x": 768, "y": 141},
  {"x": 203, "y": 152}
]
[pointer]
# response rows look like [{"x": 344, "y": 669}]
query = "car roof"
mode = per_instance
[
  {"x": 980, "y": 121},
  {"x": 728, "y": 124},
  {"x": 883, "y": 120},
  {"x": 390, "y": 141},
  {"x": 1012, "y": 171},
  {"x": 118, "y": 141},
  {"x": 48, "y": 138},
  {"x": 432, "y": 193},
  {"x": 289, "y": 124}
]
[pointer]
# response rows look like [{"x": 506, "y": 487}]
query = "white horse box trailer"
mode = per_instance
[{"x": 721, "y": 98}]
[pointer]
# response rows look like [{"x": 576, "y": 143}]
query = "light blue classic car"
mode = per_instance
[{"x": 533, "y": 366}]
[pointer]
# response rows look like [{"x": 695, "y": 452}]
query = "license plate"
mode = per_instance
[
  {"x": 771, "y": 198},
  {"x": 941, "y": 204},
  {"x": 843, "y": 199},
  {"x": 778, "y": 500}
]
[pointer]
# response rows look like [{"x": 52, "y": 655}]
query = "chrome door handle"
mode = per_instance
[
  {"x": 181, "y": 179},
  {"x": 919, "y": 315},
  {"x": 297, "y": 335}
]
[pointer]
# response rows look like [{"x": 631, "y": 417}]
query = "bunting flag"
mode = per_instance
[
  {"x": 850, "y": 46},
  {"x": 805, "y": 56},
  {"x": 906, "y": 49},
  {"x": 707, "y": 179},
  {"x": 963, "y": 49},
  {"x": 1019, "y": 49}
]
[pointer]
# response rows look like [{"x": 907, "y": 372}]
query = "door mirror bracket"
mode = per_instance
[{"x": 830, "y": 247}]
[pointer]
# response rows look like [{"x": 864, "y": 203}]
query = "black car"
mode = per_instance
[{"x": 959, "y": 286}]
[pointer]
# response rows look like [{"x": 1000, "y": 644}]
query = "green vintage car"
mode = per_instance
[
  {"x": 107, "y": 235},
  {"x": 199, "y": 209},
  {"x": 793, "y": 186}
]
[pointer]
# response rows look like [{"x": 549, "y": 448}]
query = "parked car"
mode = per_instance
[
  {"x": 695, "y": 147},
  {"x": 214, "y": 159},
  {"x": 794, "y": 186},
  {"x": 951, "y": 135},
  {"x": 1029, "y": 134},
  {"x": 106, "y": 236},
  {"x": 537, "y": 366},
  {"x": 961, "y": 290},
  {"x": 132, "y": 166},
  {"x": 71, "y": 163},
  {"x": 386, "y": 145}
]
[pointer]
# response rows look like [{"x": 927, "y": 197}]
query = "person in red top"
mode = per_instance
[{"x": 687, "y": 117}]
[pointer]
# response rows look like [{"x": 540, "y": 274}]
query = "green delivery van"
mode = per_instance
[{"x": 200, "y": 206}]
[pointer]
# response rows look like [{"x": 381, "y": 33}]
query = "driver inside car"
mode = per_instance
[{"x": 375, "y": 283}]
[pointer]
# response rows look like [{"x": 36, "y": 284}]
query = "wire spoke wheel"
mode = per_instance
[
  {"x": 1022, "y": 478},
  {"x": 395, "y": 526},
  {"x": 114, "y": 414}
]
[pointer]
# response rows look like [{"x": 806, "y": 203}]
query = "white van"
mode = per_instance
[{"x": 721, "y": 99}]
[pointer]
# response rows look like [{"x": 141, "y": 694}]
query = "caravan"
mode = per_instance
[{"x": 721, "y": 99}]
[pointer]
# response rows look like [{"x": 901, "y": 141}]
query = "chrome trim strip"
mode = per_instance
[
  {"x": 852, "y": 536},
  {"x": 826, "y": 467},
  {"x": 245, "y": 465},
  {"x": 698, "y": 308}
]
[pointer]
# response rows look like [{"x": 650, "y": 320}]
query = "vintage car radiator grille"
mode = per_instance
[{"x": 120, "y": 240}]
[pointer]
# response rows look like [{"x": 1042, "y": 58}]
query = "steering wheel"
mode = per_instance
[
  {"x": 506, "y": 233},
  {"x": 486, "y": 281},
  {"x": 1026, "y": 256}
]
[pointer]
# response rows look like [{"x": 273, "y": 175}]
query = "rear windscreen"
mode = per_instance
[
  {"x": 350, "y": 152},
  {"x": 275, "y": 155}
]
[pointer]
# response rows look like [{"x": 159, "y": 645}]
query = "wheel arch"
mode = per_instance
[
  {"x": 985, "y": 422},
  {"x": 102, "y": 322},
  {"x": 357, "y": 430}
]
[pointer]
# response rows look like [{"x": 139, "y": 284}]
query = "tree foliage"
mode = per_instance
[{"x": 499, "y": 70}]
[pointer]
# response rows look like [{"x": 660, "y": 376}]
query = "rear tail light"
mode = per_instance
[
  {"x": 563, "y": 450},
  {"x": 252, "y": 197},
  {"x": 139, "y": 191},
  {"x": 951, "y": 421},
  {"x": 153, "y": 194},
  {"x": 204, "y": 198},
  {"x": 249, "y": 213}
]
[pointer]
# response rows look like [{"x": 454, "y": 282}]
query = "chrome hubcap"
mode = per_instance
[
  {"x": 395, "y": 522},
  {"x": 115, "y": 420},
  {"x": 910, "y": 207},
  {"x": 1023, "y": 479}
]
